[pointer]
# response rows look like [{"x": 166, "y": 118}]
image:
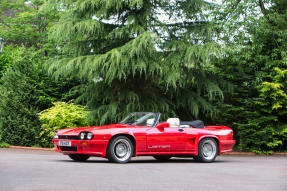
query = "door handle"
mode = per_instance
[{"x": 180, "y": 130}]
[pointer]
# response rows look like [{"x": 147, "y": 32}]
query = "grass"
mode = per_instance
[{"x": 4, "y": 145}]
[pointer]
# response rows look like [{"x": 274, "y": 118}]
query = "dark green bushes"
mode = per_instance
[
  {"x": 256, "y": 66},
  {"x": 19, "y": 101},
  {"x": 25, "y": 91}
]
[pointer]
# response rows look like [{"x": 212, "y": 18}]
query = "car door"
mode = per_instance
[{"x": 166, "y": 140}]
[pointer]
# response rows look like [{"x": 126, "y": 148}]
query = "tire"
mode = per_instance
[
  {"x": 162, "y": 158},
  {"x": 79, "y": 158},
  {"x": 120, "y": 150},
  {"x": 207, "y": 150}
]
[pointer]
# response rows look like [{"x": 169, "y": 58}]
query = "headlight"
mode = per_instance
[
  {"x": 90, "y": 136},
  {"x": 82, "y": 136},
  {"x": 86, "y": 135},
  {"x": 56, "y": 135}
]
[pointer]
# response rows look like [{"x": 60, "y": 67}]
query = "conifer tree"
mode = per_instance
[{"x": 138, "y": 55}]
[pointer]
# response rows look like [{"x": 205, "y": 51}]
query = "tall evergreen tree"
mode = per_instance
[{"x": 138, "y": 55}]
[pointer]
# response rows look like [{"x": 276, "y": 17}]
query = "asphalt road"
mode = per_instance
[{"x": 22, "y": 170}]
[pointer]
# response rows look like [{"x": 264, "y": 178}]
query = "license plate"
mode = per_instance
[{"x": 65, "y": 143}]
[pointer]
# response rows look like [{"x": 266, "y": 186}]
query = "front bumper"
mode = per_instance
[{"x": 88, "y": 147}]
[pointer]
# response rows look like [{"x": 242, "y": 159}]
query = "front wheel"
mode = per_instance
[
  {"x": 120, "y": 150},
  {"x": 79, "y": 158},
  {"x": 162, "y": 158},
  {"x": 207, "y": 150}
]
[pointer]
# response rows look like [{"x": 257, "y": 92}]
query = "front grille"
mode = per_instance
[
  {"x": 68, "y": 149},
  {"x": 69, "y": 137}
]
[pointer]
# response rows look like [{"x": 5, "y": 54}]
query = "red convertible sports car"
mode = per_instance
[{"x": 142, "y": 133}]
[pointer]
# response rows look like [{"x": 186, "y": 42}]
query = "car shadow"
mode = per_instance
[
  {"x": 147, "y": 161},
  {"x": 88, "y": 161},
  {"x": 173, "y": 160}
]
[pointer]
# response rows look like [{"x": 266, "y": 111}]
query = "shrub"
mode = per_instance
[
  {"x": 62, "y": 115},
  {"x": 273, "y": 103},
  {"x": 19, "y": 98},
  {"x": 26, "y": 90},
  {"x": 4, "y": 145}
]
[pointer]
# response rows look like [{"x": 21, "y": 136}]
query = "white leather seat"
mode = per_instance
[
  {"x": 173, "y": 122},
  {"x": 150, "y": 122}
]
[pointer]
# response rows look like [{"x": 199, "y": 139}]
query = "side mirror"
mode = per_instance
[{"x": 161, "y": 126}]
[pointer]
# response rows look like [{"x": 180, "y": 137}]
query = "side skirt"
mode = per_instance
[{"x": 193, "y": 153}]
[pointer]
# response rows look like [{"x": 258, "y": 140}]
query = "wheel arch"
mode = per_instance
[
  {"x": 212, "y": 137},
  {"x": 129, "y": 136}
]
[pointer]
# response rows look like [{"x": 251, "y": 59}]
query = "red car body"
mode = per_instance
[{"x": 155, "y": 140}]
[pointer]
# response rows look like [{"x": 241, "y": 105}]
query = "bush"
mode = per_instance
[
  {"x": 26, "y": 90},
  {"x": 62, "y": 115},
  {"x": 273, "y": 103},
  {"x": 4, "y": 145},
  {"x": 19, "y": 98}
]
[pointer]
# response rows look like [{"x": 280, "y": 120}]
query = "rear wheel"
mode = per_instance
[
  {"x": 207, "y": 150},
  {"x": 162, "y": 158},
  {"x": 120, "y": 150},
  {"x": 79, "y": 158}
]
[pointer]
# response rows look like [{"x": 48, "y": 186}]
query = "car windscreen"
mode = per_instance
[{"x": 141, "y": 119}]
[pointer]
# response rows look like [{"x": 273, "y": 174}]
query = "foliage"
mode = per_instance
[
  {"x": 4, "y": 145},
  {"x": 252, "y": 109},
  {"x": 131, "y": 58},
  {"x": 26, "y": 90},
  {"x": 274, "y": 102},
  {"x": 5, "y": 59},
  {"x": 23, "y": 24},
  {"x": 19, "y": 101},
  {"x": 274, "y": 93},
  {"x": 62, "y": 115}
]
